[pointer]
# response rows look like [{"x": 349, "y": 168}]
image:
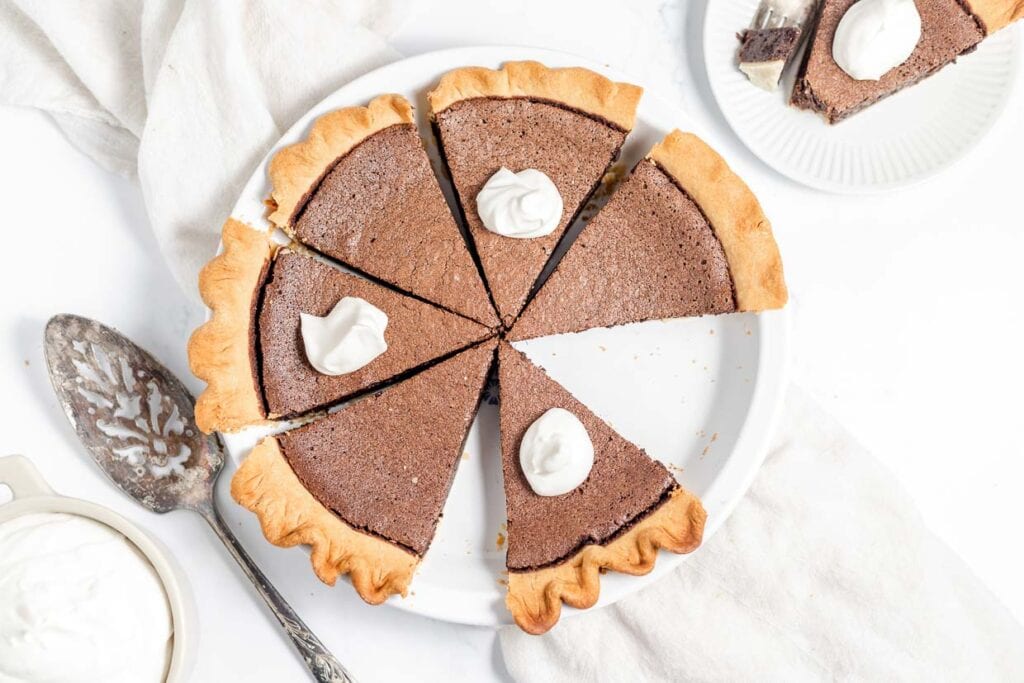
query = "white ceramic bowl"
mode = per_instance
[{"x": 32, "y": 494}]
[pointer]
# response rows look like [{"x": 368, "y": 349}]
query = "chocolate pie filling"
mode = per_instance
[
  {"x": 948, "y": 30},
  {"x": 381, "y": 211},
  {"x": 385, "y": 463},
  {"x": 650, "y": 253},
  {"x": 768, "y": 44},
  {"x": 417, "y": 334},
  {"x": 479, "y": 136}
]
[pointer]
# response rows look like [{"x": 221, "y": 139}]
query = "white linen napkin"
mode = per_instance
[
  {"x": 190, "y": 94},
  {"x": 824, "y": 571}
]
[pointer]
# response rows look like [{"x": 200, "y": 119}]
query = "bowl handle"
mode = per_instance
[{"x": 22, "y": 477}]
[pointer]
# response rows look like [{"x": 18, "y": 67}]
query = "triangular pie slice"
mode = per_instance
[
  {"x": 251, "y": 352},
  {"x": 365, "y": 485},
  {"x": 568, "y": 123},
  {"x": 361, "y": 190},
  {"x": 949, "y": 28},
  {"x": 628, "y": 507},
  {"x": 681, "y": 236}
]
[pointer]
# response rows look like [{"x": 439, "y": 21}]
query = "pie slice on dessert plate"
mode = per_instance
[
  {"x": 681, "y": 236},
  {"x": 365, "y": 486},
  {"x": 949, "y": 28},
  {"x": 254, "y": 351},
  {"x": 626, "y": 508},
  {"x": 564, "y": 126},
  {"x": 360, "y": 189}
]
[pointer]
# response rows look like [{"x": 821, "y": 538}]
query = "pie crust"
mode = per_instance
[
  {"x": 734, "y": 214},
  {"x": 995, "y": 14},
  {"x": 219, "y": 350},
  {"x": 296, "y": 170},
  {"x": 289, "y": 515},
  {"x": 574, "y": 87},
  {"x": 535, "y": 598}
]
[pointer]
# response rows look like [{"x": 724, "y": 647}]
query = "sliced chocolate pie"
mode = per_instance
[
  {"x": 253, "y": 352},
  {"x": 764, "y": 53},
  {"x": 949, "y": 28},
  {"x": 385, "y": 363},
  {"x": 567, "y": 124},
  {"x": 681, "y": 236},
  {"x": 365, "y": 486},
  {"x": 626, "y": 508},
  {"x": 360, "y": 189}
]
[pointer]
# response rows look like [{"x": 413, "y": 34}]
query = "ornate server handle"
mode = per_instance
[{"x": 321, "y": 663}]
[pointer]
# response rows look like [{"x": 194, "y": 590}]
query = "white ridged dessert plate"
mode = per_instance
[
  {"x": 700, "y": 394},
  {"x": 902, "y": 140}
]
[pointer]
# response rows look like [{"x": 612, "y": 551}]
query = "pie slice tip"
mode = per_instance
[
  {"x": 574, "y": 87},
  {"x": 299, "y": 167},
  {"x": 219, "y": 350},
  {"x": 289, "y": 515},
  {"x": 735, "y": 215},
  {"x": 535, "y": 597}
]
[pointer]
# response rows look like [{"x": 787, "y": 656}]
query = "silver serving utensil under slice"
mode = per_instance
[{"x": 136, "y": 419}]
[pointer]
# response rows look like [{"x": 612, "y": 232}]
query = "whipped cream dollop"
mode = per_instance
[
  {"x": 875, "y": 36},
  {"x": 521, "y": 205},
  {"x": 347, "y": 338},
  {"x": 556, "y": 453},
  {"x": 79, "y": 602}
]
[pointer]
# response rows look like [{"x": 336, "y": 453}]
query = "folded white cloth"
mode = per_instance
[
  {"x": 825, "y": 571},
  {"x": 189, "y": 93}
]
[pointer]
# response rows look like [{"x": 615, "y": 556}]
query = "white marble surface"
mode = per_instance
[{"x": 907, "y": 308}]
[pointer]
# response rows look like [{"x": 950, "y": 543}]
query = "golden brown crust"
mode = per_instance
[
  {"x": 289, "y": 515},
  {"x": 297, "y": 169},
  {"x": 535, "y": 598},
  {"x": 735, "y": 216},
  {"x": 995, "y": 14},
  {"x": 219, "y": 351},
  {"x": 574, "y": 87}
]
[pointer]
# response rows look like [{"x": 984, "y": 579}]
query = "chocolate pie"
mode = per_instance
[
  {"x": 764, "y": 53},
  {"x": 378, "y": 260},
  {"x": 364, "y": 486},
  {"x": 949, "y": 28},
  {"x": 360, "y": 189},
  {"x": 681, "y": 236},
  {"x": 567, "y": 123},
  {"x": 251, "y": 351},
  {"x": 628, "y": 507}
]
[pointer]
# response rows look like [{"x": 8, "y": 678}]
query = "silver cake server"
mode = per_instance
[{"x": 136, "y": 420}]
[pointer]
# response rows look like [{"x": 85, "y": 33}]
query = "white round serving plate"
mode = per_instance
[
  {"x": 900, "y": 141},
  {"x": 31, "y": 494},
  {"x": 700, "y": 394}
]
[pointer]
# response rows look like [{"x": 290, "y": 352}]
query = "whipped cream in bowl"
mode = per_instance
[
  {"x": 522, "y": 205},
  {"x": 85, "y": 595},
  {"x": 876, "y": 36}
]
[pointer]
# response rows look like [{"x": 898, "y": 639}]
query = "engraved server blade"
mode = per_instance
[{"x": 136, "y": 420}]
